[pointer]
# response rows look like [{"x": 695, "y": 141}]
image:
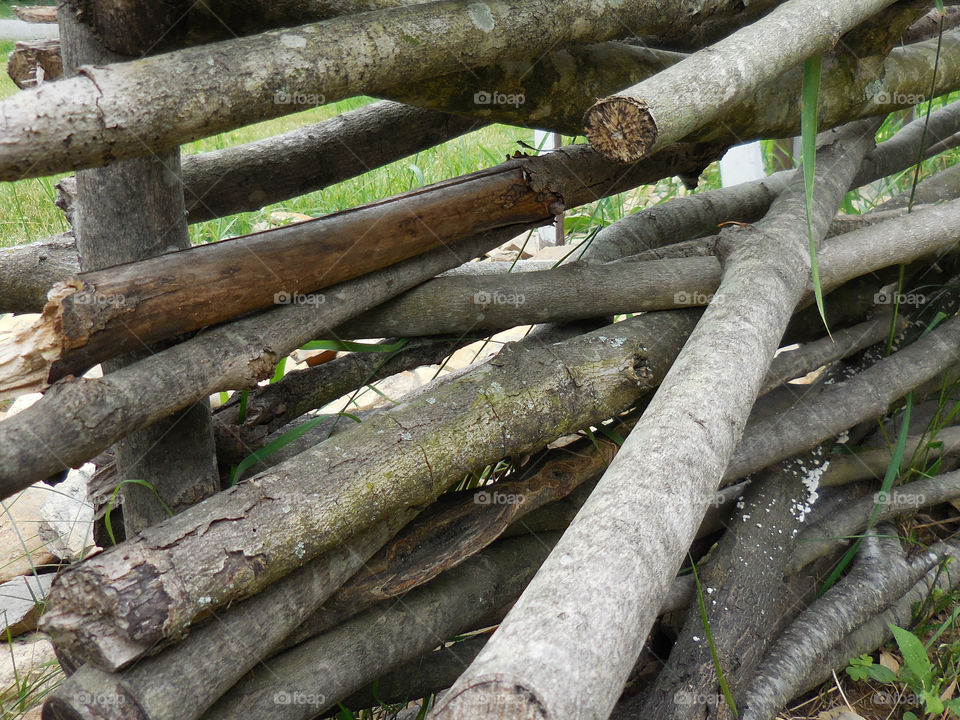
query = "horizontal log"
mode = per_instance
[
  {"x": 190, "y": 23},
  {"x": 52, "y": 129},
  {"x": 177, "y": 571},
  {"x": 341, "y": 661},
  {"x": 104, "y": 313},
  {"x": 580, "y": 291},
  {"x": 35, "y": 14}
]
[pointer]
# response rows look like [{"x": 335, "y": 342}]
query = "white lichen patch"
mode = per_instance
[
  {"x": 299, "y": 550},
  {"x": 293, "y": 41},
  {"x": 480, "y": 16}
]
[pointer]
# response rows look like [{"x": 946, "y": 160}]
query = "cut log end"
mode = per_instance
[{"x": 621, "y": 128}]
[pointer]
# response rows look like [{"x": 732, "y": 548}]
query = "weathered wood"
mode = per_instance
[
  {"x": 271, "y": 407},
  {"x": 252, "y": 78},
  {"x": 118, "y": 604},
  {"x": 27, "y": 272},
  {"x": 100, "y": 314},
  {"x": 337, "y": 663},
  {"x": 693, "y": 93},
  {"x": 34, "y": 62},
  {"x": 133, "y": 210},
  {"x": 183, "y": 681},
  {"x": 35, "y": 14},
  {"x": 225, "y": 19},
  {"x": 491, "y": 302}
]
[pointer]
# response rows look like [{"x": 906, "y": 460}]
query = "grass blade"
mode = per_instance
[{"x": 810, "y": 95}]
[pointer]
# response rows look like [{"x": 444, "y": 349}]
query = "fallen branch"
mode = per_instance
[
  {"x": 320, "y": 62},
  {"x": 691, "y": 94},
  {"x": 99, "y": 315}
]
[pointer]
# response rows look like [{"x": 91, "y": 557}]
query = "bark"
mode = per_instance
[
  {"x": 419, "y": 678},
  {"x": 248, "y": 80},
  {"x": 838, "y": 407},
  {"x": 746, "y": 597},
  {"x": 224, "y": 19},
  {"x": 871, "y": 464},
  {"x": 929, "y": 25},
  {"x": 657, "y": 112},
  {"x": 335, "y": 664},
  {"x": 129, "y": 211},
  {"x": 36, "y": 14},
  {"x": 273, "y": 406},
  {"x": 840, "y": 344},
  {"x": 941, "y": 187},
  {"x": 118, "y": 604},
  {"x": 97, "y": 315},
  {"x": 701, "y": 213},
  {"x": 881, "y": 574},
  {"x": 183, "y": 681},
  {"x": 835, "y": 530},
  {"x": 550, "y": 658},
  {"x": 875, "y": 631},
  {"x": 157, "y": 386},
  {"x": 251, "y": 176},
  {"x": 455, "y": 527}
]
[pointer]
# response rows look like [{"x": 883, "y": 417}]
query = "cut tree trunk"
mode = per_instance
[
  {"x": 672, "y": 104},
  {"x": 127, "y": 211},
  {"x": 157, "y": 386}
]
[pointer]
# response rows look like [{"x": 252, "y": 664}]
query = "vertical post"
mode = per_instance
[
  {"x": 742, "y": 164},
  {"x": 128, "y": 211},
  {"x": 545, "y": 142}
]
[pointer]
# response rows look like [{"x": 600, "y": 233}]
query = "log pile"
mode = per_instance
[{"x": 512, "y": 539}]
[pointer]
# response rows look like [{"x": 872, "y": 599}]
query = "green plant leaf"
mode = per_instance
[
  {"x": 809, "y": 98},
  {"x": 347, "y": 346},
  {"x": 721, "y": 678},
  {"x": 280, "y": 442},
  {"x": 914, "y": 654},
  {"x": 113, "y": 499}
]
